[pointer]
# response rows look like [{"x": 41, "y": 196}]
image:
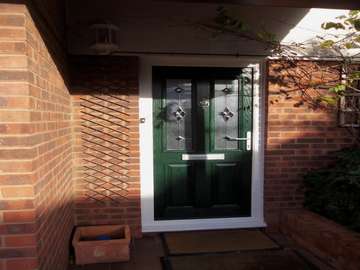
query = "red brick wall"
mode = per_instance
[
  {"x": 329, "y": 241},
  {"x": 299, "y": 138},
  {"x": 35, "y": 150},
  {"x": 17, "y": 204},
  {"x": 53, "y": 164},
  {"x": 36, "y": 138},
  {"x": 106, "y": 132}
]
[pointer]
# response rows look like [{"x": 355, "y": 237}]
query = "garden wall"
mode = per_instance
[
  {"x": 299, "y": 135},
  {"x": 331, "y": 242}
]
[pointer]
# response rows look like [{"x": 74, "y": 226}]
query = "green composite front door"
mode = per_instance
[{"x": 202, "y": 142}]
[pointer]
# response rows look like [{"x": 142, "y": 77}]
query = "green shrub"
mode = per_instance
[{"x": 334, "y": 192}]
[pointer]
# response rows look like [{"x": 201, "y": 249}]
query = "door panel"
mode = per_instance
[
  {"x": 225, "y": 186},
  {"x": 179, "y": 184},
  {"x": 202, "y": 111}
]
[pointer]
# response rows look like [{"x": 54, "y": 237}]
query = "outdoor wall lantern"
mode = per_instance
[{"x": 105, "y": 37}]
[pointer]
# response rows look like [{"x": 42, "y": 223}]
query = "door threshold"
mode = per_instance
[{"x": 202, "y": 224}]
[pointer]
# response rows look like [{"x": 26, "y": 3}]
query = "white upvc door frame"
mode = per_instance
[{"x": 149, "y": 224}]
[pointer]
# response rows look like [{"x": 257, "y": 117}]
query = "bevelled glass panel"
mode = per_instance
[
  {"x": 247, "y": 98},
  {"x": 178, "y": 115},
  {"x": 226, "y": 114}
]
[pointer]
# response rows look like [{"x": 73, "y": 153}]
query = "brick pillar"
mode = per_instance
[
  {"x": 17, "y": 201},
  {"x": 35, "y": 146}
]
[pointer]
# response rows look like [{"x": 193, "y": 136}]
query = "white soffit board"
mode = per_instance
[{"x": 309, "y": 27}]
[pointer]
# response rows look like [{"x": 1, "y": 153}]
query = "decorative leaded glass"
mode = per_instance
[
  {"x": 226, "y": 114},
  {"x": 178, "y": 115},
  {"x": 247, "y": 96}
]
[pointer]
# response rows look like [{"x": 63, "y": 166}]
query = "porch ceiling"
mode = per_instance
[
  {"x": 343, "y": 4},
  {"x": 172, "y": 26}
]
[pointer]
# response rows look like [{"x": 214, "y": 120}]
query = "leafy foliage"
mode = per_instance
[
  {"x": 349, "y": 38},
  {"x": 341, "y": 40},
  {"x": 327, "y": 44},
  {"x": 338, "y": 89},
  {"x": 334, "y": 192},
  {"x": 330, "y": 25}
]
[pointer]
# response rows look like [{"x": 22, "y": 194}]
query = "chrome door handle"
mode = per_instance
[
  {"x": 229, "y": 138},
  {"x": 247, "y": 139}
]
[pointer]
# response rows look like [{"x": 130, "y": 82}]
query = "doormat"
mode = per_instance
[
  {"x": 180, "y": 243},
  {"x": 252, "y": 260}
]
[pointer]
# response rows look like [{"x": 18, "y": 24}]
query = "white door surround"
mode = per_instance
[{"x": 146, "y": 144}]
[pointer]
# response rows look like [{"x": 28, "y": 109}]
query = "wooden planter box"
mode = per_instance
[{"x": 92, "y": 246}]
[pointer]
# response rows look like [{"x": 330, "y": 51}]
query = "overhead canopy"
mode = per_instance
[{"x": 340, "y": 4}]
